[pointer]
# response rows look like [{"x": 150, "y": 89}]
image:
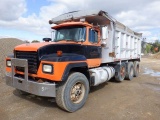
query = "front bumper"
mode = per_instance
[{"x": 41, "y": 89}]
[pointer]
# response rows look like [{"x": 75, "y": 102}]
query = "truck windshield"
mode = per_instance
[{"x": 70, "y": 33}]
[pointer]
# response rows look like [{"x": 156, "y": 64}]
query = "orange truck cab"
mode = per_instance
[{"x": 66, "y": 66}]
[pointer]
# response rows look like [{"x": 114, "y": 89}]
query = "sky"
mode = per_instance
[{"x": 28, "y": 19}]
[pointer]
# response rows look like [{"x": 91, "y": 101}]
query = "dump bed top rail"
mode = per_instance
[
  {"x": 98, "y": 16},
  {"x": 95, "y": 17}
]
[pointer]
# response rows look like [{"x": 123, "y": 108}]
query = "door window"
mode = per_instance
[{"x": 93, "y": 36}]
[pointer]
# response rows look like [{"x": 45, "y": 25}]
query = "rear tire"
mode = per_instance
[
  {"x": 136, "y": 69},
  {"x": 120, "y": 72},
  {"x": 72, "y": 94},
  {"x": 129, "y": 71}
]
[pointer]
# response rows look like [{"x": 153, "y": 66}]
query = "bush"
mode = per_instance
[
  {"x": 35, "y": 41},
  {"x": 148, "y": 48}
]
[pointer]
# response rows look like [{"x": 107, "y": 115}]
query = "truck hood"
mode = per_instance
[
  {"x": 70, "y": 51},
  {"x": 47, "y": 48},
  {"x": 31, "y": 46},
  {"x": 36, "y": 46}
]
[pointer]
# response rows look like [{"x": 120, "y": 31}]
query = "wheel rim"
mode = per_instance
[
  {"x": 122, "y": 72},
  {"x": 77, "y": 92}
]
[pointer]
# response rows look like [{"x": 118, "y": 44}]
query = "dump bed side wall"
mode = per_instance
[
  {"x": 127, "y": 46},
  {"x": 124, "y": 44},
  {"x": 109, "y": 46}
]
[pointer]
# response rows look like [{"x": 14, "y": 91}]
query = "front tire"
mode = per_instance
[{"x": 72, "y": 95}]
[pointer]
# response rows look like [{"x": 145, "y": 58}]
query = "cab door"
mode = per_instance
[{"x": 93, "y": 49}]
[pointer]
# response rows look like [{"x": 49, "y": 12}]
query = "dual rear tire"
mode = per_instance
[
  {"x": 136, "y": 69},
  {"x": 120, "y": 72},
  {"x": 130, "y": 71},
  {"x": 127, "y": 71}
]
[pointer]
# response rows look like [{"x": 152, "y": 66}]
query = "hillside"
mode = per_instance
[
  {"x": 156, "y": 56},
  {"x": 6, "y": 47}
]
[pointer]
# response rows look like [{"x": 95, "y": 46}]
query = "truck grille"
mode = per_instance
[{"x": 32, "y": 61}]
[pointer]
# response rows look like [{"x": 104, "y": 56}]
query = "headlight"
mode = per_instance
[
  {"x": 47, "y": 68},
  {"x": 8, "y": 63}
]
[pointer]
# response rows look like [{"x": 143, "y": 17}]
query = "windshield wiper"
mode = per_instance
[
  {"x": 60, "y": 40},
  {"x": 68, "y": 40}
]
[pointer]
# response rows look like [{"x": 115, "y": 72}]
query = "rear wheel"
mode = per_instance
[
  {"x": 120, "y": 72},
  {"x": 136, "y": 68},
  {"x": 129, "y": 71},
  {"x": 72, "y": 95}
]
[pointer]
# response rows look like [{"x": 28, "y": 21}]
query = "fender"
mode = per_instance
[
  {"x": 73, "y": 65},
  {"x": 75, "y": 61}
]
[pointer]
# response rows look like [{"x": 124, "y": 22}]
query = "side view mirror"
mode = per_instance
[
  {"x": 104, "y": 32},
  {"x": 47, "y": 39},
  {"x": 53, "y": 32}
]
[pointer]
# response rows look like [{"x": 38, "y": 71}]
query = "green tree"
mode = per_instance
[
  {"x": 35, "y": 41},
  {"x": 155, "y": 47},
  {"x": 148, "y": 48}
]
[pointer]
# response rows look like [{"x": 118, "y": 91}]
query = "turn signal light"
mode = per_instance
[{"x": 59, "y": 53}]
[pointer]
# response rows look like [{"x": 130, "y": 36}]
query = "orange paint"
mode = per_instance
[
  {"x": 59, "y": 53},
  {"x": 36, "y": 46},
  {"x": 87, "y": 42},
  {"x": 59, "y": 67},
  {"x": 88, "y": 26},
  {"x": 58, "y": 70},
  {"x": 93, "y": 62},
  {"x": 31, "y": 46},
  {"x": 8, "y": 69}
]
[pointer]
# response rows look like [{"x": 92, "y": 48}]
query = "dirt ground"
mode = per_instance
[{"x": 138, "y": 99}]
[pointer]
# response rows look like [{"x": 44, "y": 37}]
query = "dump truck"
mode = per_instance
[{"x": 87, "y": 48}]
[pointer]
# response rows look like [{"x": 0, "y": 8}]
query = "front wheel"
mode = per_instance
[{"x": 72, "y": 95}]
